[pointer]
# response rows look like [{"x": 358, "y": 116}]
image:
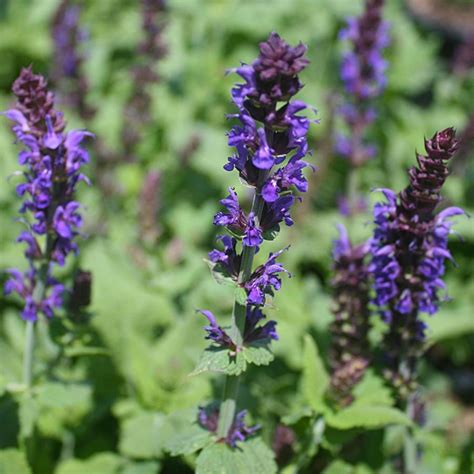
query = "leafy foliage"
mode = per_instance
[{"x": 112, "y": 391}]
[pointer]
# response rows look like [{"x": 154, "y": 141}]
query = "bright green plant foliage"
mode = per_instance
[
  {"x": 253, "y": 456},
  {"x": 116, "y": 391}
]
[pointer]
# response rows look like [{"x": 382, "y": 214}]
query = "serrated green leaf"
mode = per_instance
[
  {"x": 13, "y": 461},
  {"x": 366, "y": 416},
  {"x": 258, "y": 353},
  {"x": 315, "y": 378},
  {"x": 216, "y": 359},
  {"x": 251, "y": 456},
  {"x": 183, "y": 435},
  {"x": 140, "y": 436}
]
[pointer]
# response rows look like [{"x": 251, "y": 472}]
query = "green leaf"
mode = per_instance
[
  {"x": 270, "y": 234},
  {"x": 240, "y": 295},
  {"x": 28, "y": 413},
  {"x": 451, "y": 324},
  {"x": 183, "y": 435},
  {"x": 148, "y": 467},
  {"x": 258, "y": 353},
  {"x": 366, "y": 416},
  {"x": 372, "y": 390},
  {"x": 13, "y": 461},
  {"x": 315, "y": 378},
  {"x": 140, "y": 436},
  {"x": 61, "y": 406},
  {"x": 220, "y": 274},
  {"x": 103, "y": 463},
  {"x": 216, "y": 359},
  {"x": 251, "y": 456}
]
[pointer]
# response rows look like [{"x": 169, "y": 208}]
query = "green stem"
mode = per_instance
[
  {"x": 38, "y": 296},
  {"x": 352, "y": 189},
  {"x": 409, "y": 446},
  {"x": 28, "y": 354},
  {"x": 231, "y": 384}
]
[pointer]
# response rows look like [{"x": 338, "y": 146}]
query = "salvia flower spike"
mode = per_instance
[
  {"x": 363, "y": 75},
  {"x": 52, "y": 161},
  {"x": 269, "y": 140},
  {"x": 349, "y": 350},
  {"x": 68, "y": 36},
  {"x": 409, "y": 249}
]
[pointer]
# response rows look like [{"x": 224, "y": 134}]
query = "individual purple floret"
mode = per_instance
[
  {"x": 215, "y": 332},
  {"x": 409, "y": 249},
  {"x": 253, "y": 332},
  {"x": 349, "y": 350},
  {"x": 52, "y": 159},
  {"x": 265, "y": 280},
  {"x": 363, "y": 75},
  {"x": 208, "y": 418}
]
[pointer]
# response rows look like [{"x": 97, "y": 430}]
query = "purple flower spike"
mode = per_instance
[
  {"x": 363, "y": 75},
  {"x": 52, "y": 160},
  {"x": 269, "y": 138},
  {"x": 349, "y": 355},
  {"x": 407, "y": 225}
]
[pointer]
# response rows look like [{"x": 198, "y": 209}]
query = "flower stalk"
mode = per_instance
[
  {"x": 269, "y": 132},
  {"x": 52, "y": 160}
]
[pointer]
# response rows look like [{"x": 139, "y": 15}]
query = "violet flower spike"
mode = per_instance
[
  {"x": 349, "y": 355},
  {"x": 269, "y": 138},
  {"x": 407, "y": 224},
  {"x": 52, "y": 161},
  {"x": 363, "y": 75}
]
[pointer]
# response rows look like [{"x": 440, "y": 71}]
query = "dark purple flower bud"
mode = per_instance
[
  {"x": 264, "y": 280},
  {"x": 81, "y": 291},
  {"x": 349, "y": 351},
  {"x": 277, "y": 211},
  {"x": 409, "y": 249}
]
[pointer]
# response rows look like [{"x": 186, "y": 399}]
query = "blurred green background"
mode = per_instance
[{"x": 102, "y": 406}]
